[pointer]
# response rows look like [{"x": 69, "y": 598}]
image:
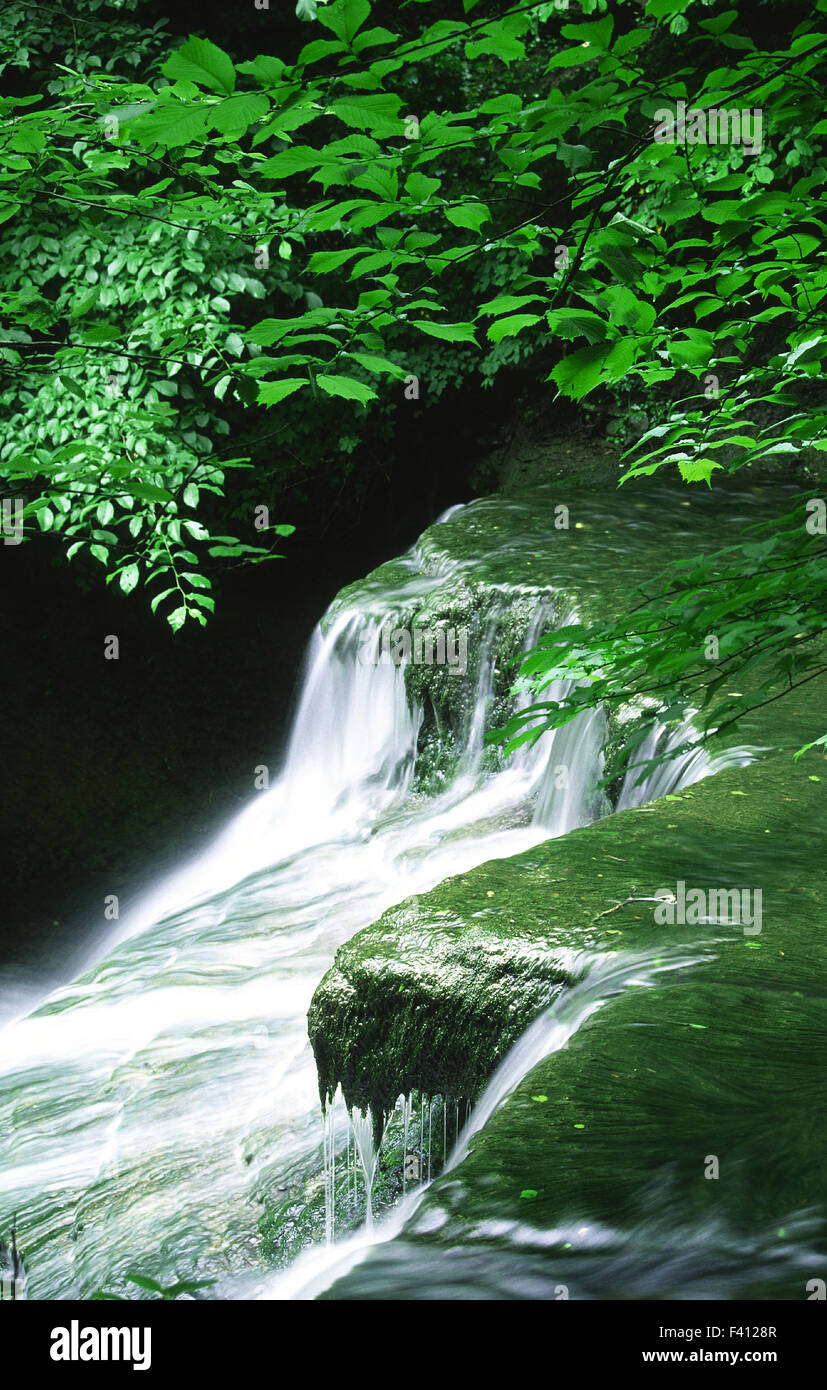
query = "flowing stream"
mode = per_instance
[{"x": 149, "y": 1107}]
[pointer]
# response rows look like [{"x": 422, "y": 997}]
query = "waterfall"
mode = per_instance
[
  {"x": 152, "y": 1106},
  {"x": 601, "y": 976}
]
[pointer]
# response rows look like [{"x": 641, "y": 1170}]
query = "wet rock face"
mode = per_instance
[
  {"x": 428, "y": 1000},
  {"x": 431, "y": 997},
  {"x": 673, "y": 1147}
]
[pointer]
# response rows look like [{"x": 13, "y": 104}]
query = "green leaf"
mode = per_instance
[
  {"x": 271, "y": 392},
  {"x": 581, "y": 371},
  {"x": 378, "y": 114},
  {"x": 322, "y": 261},
  {"x": 626, "y": 310},
  {"x": 128, "y": 578},
  {"x": 71, "y": 385},
  {"x": 101, "y": 333},
  {"x": 235, "y": 114},
  {"x": 728, "y": 210},
  {"x": 596, "y": 31},
  {"x": 658, "y": 9},
  {"x": 506, "y": 304},
  {"x": 449, "y": 332},
  {"x": 572, "y": 57},
  {"x": 817, "y": 743},
  {"x": 574, "y": 156},
  {"x": 85, "y": 302},
  {"x": 143, "y": 1282},
  {"x": 346, "y": 387},
  {"x": 512, "y": 325},
  {"x": 695, "y": 350},
  {"x": 295, "y": 160},
  {"x": 158, "y": 598},
  {"x": 419, "y": 186},
  {"x": 201, "y": 61},
  {"x": 176, "y": 620},
  {"x": 576, "y": 323},
  {"x": 372, "y": 363},
  {"x": 470, "y": 215},
  {"x": 149, "y": 492},
  {"x": 698, "y": 471},
  {"x": 171, "y": 123},
  {"x": 496, "y": 42},
  {"x": 344, "y": 17}
]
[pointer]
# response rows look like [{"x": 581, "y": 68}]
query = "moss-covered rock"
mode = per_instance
[
  {"x": 675, "y": 1146},
  {"x": 428, "y": 998}
]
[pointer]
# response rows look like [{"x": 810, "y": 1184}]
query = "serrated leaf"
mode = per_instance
[
  {"x": 271, "y": 392},
  {"x": 234, "y": 115},
  {"x": 581, "y": 371},
  {"x": 512, "y": 325},
  {"x": 699, "y": 471},
  {"x": 323, "y": 261},
  {"x": 506, "y": 304},
  {"x": 419, "y": 186},
  {"x": 372, "y": 363},
  {"x": 470, "y": 215},
  {"x": 448, "y": 332},
  {"x": 344, "y": 17},
  {"x": 378, "y": 114},
  {"x": 202, "y": 61},
  {"x": 576, "y": 323},
  {"x": 346, "y": 387},
  {"x": 172, "y": 123}
]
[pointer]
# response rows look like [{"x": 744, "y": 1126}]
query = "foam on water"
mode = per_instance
[{"x": 149, "y": 1106}]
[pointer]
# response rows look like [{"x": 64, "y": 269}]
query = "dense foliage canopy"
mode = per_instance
[{"x": 613, "y": 198}]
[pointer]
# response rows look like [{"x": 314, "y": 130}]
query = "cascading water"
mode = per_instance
[
  {"x": 600, "y": 977},
  {"x": 149, "y": 1108}
]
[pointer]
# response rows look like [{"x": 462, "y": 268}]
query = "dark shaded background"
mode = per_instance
[{"x": 115, "y": 770}]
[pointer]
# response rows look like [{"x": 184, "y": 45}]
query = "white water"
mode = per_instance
[
  {"x": 148, "y": 1108},
  {"x": 601, "y": 977}
]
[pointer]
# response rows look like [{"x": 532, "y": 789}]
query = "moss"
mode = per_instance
[
  {"x": 597, "y": 1167},
  {"x": 427, "y": 999},
  {"x": 431, "y": 996}
]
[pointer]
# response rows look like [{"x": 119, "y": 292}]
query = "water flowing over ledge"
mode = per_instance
[
  {"x": 679, "y": 1054},
  {"x": 151, "y": 1108}
]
